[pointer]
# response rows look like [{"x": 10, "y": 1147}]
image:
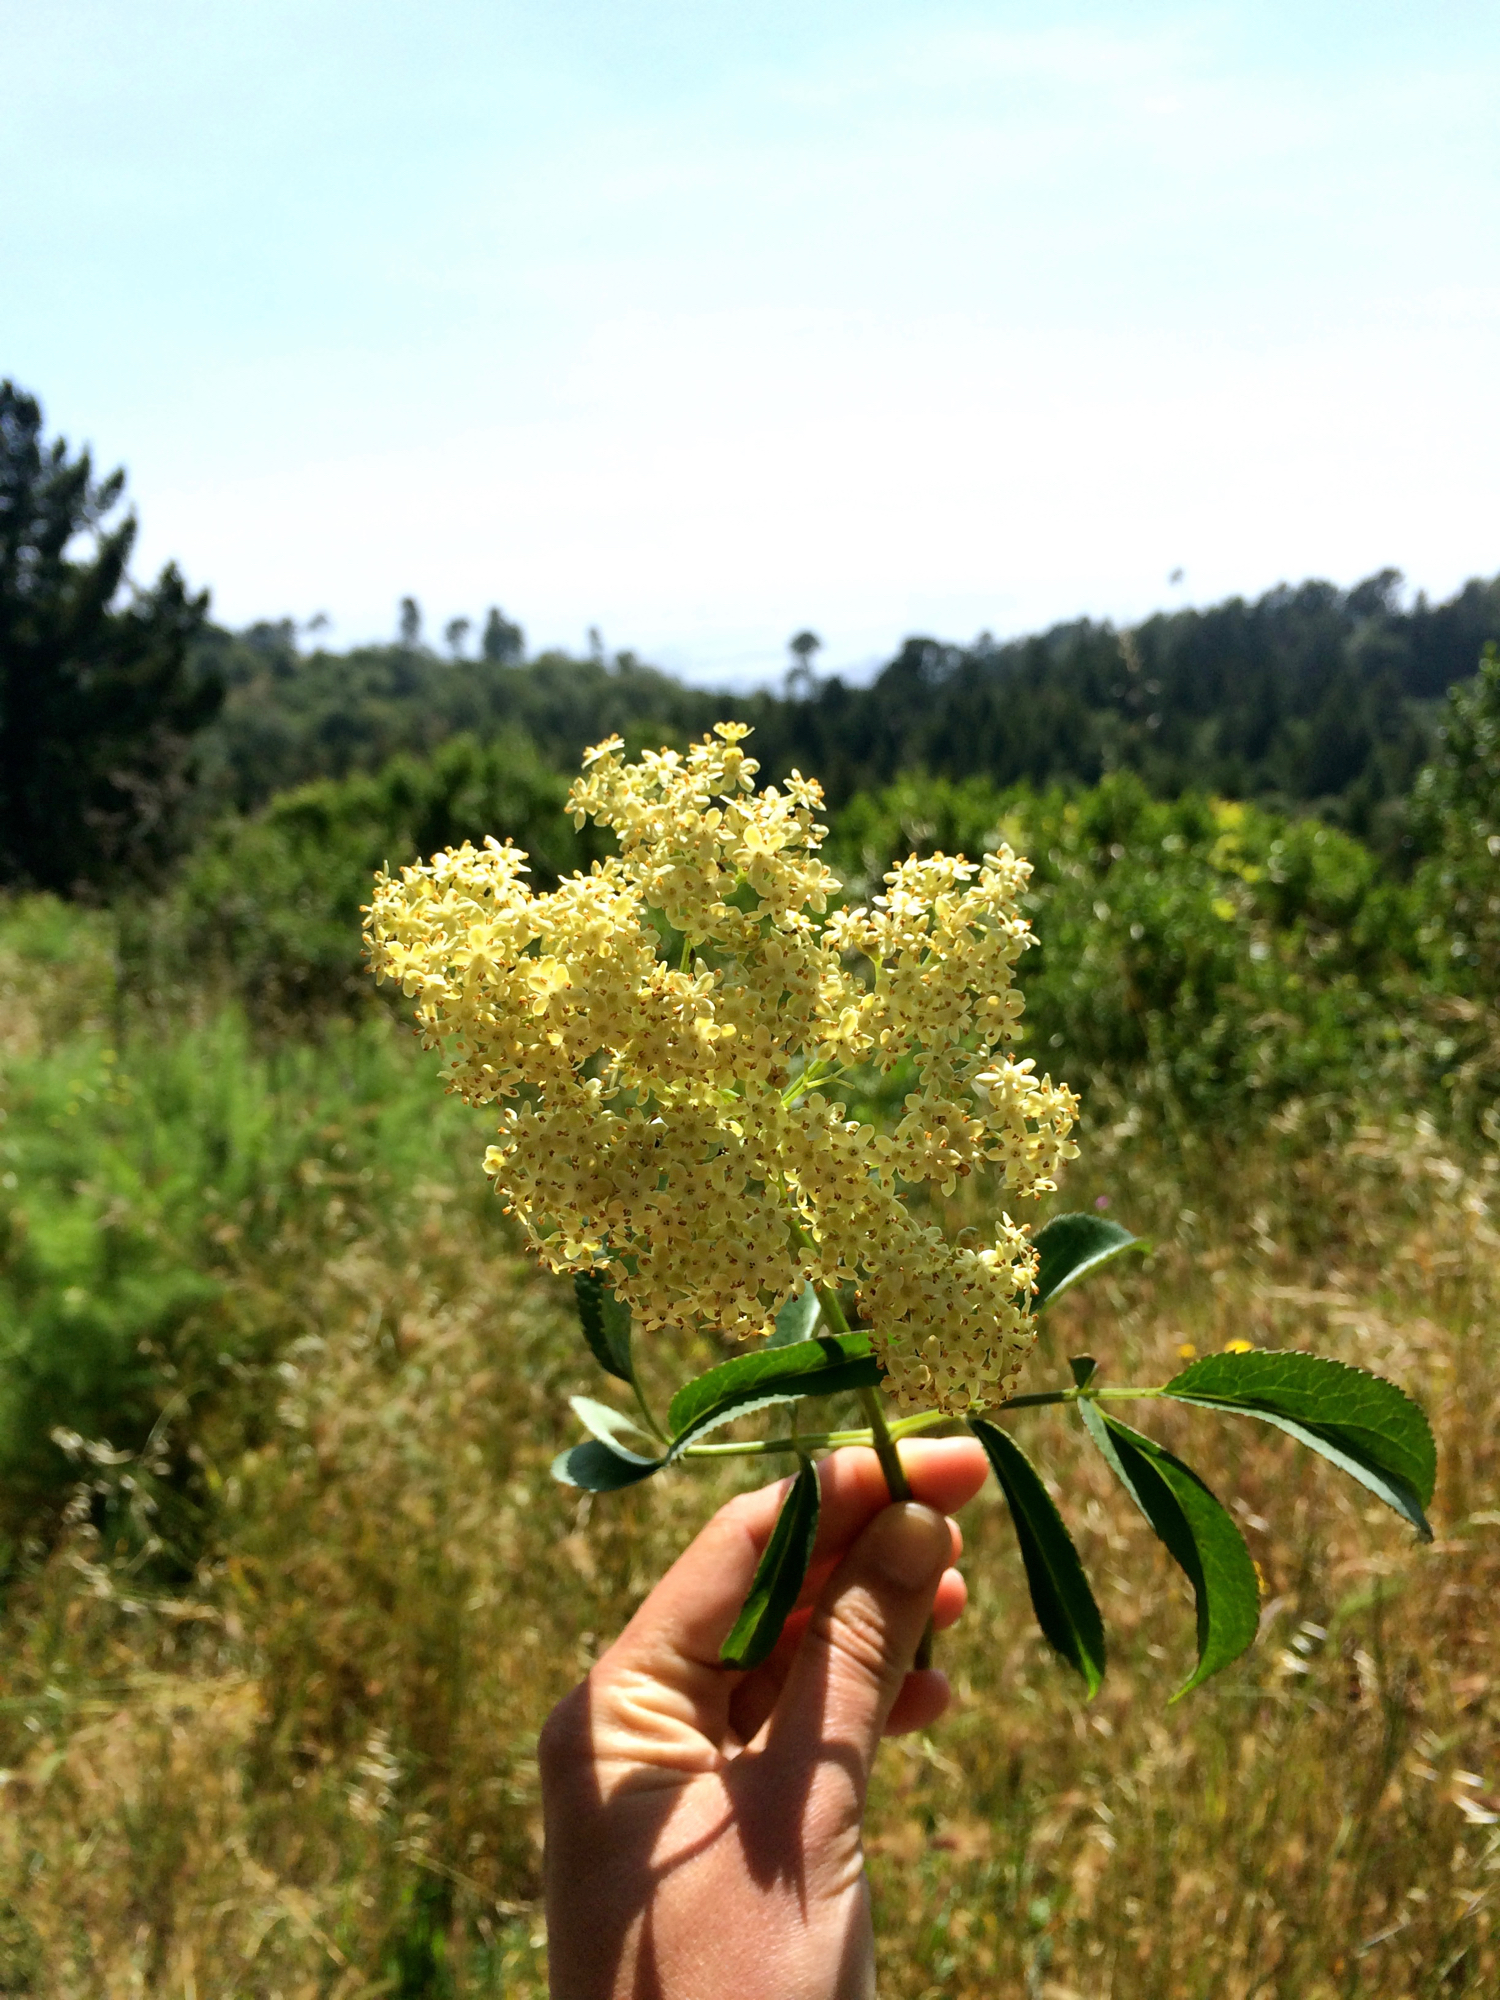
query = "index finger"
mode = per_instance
[{"x": 943, "y": 1473}]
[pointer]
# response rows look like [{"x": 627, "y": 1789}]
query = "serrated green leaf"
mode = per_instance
[
  {"x": 1072, "y": 1246},
  {"x": 602, "y": 1468},
  {"x": 797, "y": 1319},
  {"x": 606, "y": 1324},
  {"x": 1199, "y": 1536},
  {"x": 1060, "y": 1594},
  {"x": 828, "y": 1366},
  {"x": 1360, "y": 1422},
  {"x": 779, "y": 1575}
]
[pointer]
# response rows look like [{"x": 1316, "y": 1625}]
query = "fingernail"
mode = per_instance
[{"x": 909, "y": 1543}]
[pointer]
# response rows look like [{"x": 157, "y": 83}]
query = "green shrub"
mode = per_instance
[
  {"x": 1456, "y": 812},
  {"x": 1220, "y": 956},
  {"x": 271, "y": 904},
  {"x": 143, "y": 1172}
]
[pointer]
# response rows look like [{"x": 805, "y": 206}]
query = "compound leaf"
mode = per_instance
[
  {"x": 603, "y": 1421},
  {"x": 602, "y": 1468},
  {"x": 827, "y": 1366},
  {"x": 796, "y": 1319}
]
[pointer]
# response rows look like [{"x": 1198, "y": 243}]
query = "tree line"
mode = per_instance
[{"x": 130, "y": 723}]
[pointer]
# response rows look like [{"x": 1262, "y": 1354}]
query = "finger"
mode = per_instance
[
  {"x": 952, "y": 1597},
  {"x": 674, "y": 1638},
  {"x": 943, "y": 1473},
  {"x": 858, "y": 1648},
  {"x": 693, "y": 1596},
  {"x": 923, "y": 1698},
  {"x": 662, "y": 1677},
  {"x": 753, "y": 1701}
]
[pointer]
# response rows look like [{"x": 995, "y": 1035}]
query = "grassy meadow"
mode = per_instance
[{"x": 288, "y": 1589}]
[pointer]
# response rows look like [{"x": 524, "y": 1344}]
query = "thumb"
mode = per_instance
[{"x": 860, "y": 1642}]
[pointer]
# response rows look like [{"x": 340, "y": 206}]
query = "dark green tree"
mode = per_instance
[
  {"x": 98, "y": 705},
  {"x": 1456, "y": 806},
  {"x": 504, "y": 641},
  {"x": 800, "y": 681}
]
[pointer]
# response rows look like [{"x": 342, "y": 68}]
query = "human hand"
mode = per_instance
[{"x": 703, "y": 1827}]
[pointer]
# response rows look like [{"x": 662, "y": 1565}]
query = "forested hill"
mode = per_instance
[{"x": 1309, "y": 695}]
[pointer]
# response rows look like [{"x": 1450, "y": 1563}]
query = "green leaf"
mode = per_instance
[
  {"x": 606, "y": 1324},
  {"x": 602, "y": 1468},
  {"x": 779, "y": 1575},
  {"x": 1071, "y": 1247},
  {"x": 1084, "y": 1368},
  {"x": 1200, "y": 1537},
  {"x": 796, "y": 1319},
  {"x": 1359, "y": 1422},
  {"x": 603, "y": 1421},
  {"x": 1060, "y": 1595},
  {"x": 827, "y": 1366}
]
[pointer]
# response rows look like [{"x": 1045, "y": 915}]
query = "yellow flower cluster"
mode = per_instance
[{"x": 664, "y": 1034}]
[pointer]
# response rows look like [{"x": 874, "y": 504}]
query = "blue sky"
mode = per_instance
[{"x": 702, "y": 323}]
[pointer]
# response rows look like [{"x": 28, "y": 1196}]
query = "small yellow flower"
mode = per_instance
[
  {"x": 1239, "y": 1347},
  {"x": 661, "y": 1116}
]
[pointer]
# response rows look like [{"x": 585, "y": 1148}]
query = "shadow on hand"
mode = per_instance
[{"x": 621, "y": 1860}]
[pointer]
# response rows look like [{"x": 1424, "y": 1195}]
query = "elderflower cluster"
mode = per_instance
[{"x": 669, "y": 1115}]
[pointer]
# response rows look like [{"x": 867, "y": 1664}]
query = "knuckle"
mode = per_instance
[{"x": 853, "y": 1630}]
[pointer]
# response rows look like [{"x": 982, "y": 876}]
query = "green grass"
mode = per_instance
[{"x": 159, "y": 1171}]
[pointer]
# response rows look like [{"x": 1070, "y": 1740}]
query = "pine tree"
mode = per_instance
[{"x": 98, "y": 707}]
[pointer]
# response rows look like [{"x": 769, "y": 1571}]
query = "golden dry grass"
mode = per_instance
[{"x": 308, "y": 1769}]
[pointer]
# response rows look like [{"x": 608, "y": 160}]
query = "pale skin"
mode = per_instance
[{"x": 703, "y": 1827}]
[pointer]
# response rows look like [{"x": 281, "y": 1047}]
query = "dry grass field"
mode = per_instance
[{"x": 302, "y": 1765}]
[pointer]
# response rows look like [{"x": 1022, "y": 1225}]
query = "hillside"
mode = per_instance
[{"x": 1309, "y": 695}]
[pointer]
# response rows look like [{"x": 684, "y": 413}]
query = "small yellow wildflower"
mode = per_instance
[{"x": 662, "y": 1118}]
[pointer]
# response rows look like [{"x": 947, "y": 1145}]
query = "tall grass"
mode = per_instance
[
  {"x": 167, "y": 1180},
  {"x": 290, "y": 1753}
]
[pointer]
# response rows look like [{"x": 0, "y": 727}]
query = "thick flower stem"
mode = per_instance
[
  {"x": 896, "y": 1481},
  {"x": 885, "y": 1445},
  {"x": 880, "y": 1437}
]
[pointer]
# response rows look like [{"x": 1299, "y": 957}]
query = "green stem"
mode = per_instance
[
  {"x": 645, "y": 1409},
  {"x": 805, "y": 1441},
  {"x": 885, "y": 1445},
  {"x": 810, "y": 1080},
  {"x": 903, "y": 1427},
  {"x": 896, "y": 1481},
  {"x": 1076, "y": 1396},
  {"x": 869, "y": 1399}
]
